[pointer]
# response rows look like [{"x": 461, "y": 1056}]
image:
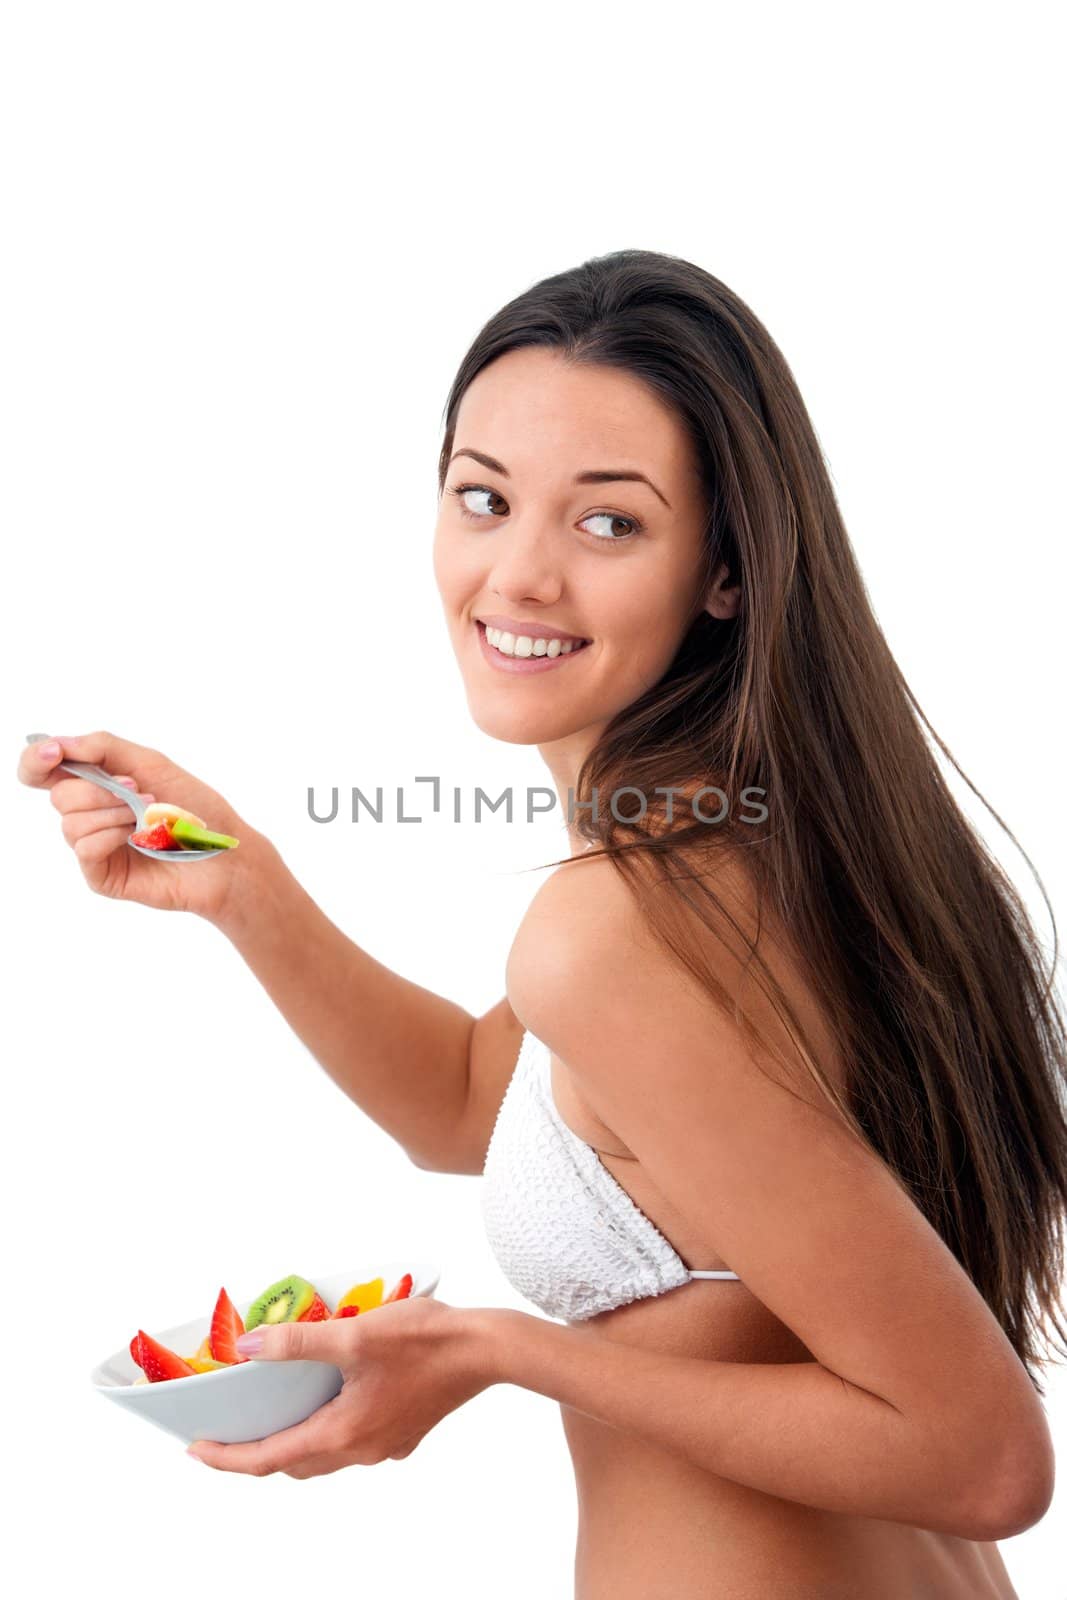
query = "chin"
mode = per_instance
[
  {"x": 510, "y": 729},
  {"x": 513, "y": 727}
]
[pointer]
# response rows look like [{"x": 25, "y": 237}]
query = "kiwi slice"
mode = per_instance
[
  {"x": 189, "y": 833},
  {"x": 284, "y": 1301}
]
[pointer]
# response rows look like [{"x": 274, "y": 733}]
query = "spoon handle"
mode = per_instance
[{"x": 83, "y": 769}]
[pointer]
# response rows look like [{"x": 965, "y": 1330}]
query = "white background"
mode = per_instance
[{"x": 245, "y": 249}]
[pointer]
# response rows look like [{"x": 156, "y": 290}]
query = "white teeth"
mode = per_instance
[{"x": 510, "y": 644}]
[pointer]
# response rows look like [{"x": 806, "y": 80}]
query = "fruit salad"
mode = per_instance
[
  {"x": 167, "y": 827},
  {"x": 289, "y": 1300}
]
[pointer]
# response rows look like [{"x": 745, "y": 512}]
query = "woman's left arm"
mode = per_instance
[
  {"x": 916, "y": 1408},
  {"x": 797, "y": 1430}
]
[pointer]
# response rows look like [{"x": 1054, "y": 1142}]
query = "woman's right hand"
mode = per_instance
[{"x": 97, "y": 825}]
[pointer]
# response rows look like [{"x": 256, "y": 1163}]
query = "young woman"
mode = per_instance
[{"x": 770, "y": 1121}]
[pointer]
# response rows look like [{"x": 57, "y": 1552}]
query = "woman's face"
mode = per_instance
[{"x": 521, "y": 542}]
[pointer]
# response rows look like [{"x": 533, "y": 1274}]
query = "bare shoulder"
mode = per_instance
[
  {"x": 587, "y": 943},
  {"x": 576, "y": 907}
]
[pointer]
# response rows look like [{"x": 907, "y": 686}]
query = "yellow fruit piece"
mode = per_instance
[
  {"x": 204, "y": 1361},
  {"x": 364, "y": 1295},
  {"x": 163, "y": 811}
]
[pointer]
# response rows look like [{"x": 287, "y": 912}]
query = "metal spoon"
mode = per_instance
[{"x": 82, "y": 769}]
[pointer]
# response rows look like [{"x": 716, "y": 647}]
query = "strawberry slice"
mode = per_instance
[
  {"x": 402, "y": 1290},
  {"x": 157, "y": 838},
  {"x": 317, "y": 1311},
  {"x": 135, "y": 1350},
  {"x": 226, "y": 1326},
  {"x": 347, "y": 1311},
  {"x": 159, "y": 1363}
]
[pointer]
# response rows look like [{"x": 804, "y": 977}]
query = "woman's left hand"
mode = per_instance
[{"x": 405, "y": 1366}]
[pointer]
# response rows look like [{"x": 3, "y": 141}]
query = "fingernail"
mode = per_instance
[
  {"x": 131, "y": 783},
  {"x": 191, "y": 1451},
  {"x": 249, "y": 1343},
  {"x": 49, "y": 751}
]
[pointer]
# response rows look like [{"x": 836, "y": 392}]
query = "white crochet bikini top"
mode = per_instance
[{"x": 565, "y": 1232}]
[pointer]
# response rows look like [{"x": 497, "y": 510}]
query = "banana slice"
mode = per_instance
[{"x": 160, "y": 811}]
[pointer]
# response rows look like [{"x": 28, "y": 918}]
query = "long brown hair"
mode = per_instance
[{"x": 915, "y": 941}]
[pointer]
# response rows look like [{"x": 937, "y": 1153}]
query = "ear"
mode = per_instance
[{"x": 722, "y": 599}]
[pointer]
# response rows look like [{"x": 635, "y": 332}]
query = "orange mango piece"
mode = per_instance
[
  {"x": 363, "y": 1295},
  {"x": 204, "y": 1361}
]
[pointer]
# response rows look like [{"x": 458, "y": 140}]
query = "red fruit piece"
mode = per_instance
[
  {"x": 226, "y": 1326},
  {"x": 135, "y": 1350},
  {"x": 159, "y": 1363},
  {"x": 402, "y": 1290},
  {"x": 347, "y": 1311},
  {"x": 317, "y": 1311},
  {"x": 157, "y": 838}
]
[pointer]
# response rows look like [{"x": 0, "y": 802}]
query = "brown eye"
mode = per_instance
[
  {"x": 629, "y": 525},
  {"x": 463, "y": 489},
  {"x": 611, "y": 537}
]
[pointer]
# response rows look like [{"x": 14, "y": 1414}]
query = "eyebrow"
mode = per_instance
[{"x": 599, "y": 475}]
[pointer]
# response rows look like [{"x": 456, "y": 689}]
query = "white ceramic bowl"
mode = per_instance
[{"x": 236, "y": 1404}]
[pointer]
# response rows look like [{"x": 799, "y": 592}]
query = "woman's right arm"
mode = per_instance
[
  {"x": 401, "y": 1052},
  {"x": 404, "y": 1054}
]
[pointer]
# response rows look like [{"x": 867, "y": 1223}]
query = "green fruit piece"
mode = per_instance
[
  {"x": 162, "y": 811},
  {"x": 196, "y": 838},
  {"x": 284, "y": 1301}
]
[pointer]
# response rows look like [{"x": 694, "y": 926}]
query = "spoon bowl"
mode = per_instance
[{"x": 83, "y": 769}]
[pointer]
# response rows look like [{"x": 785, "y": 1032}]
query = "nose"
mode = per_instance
[{"x": 525, "y": 563}]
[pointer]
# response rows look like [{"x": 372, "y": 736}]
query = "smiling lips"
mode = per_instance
[
  {"x": 528, "y": 644},
  {"x": 526, "y": 652},
  {"x": 531, "y": 630}
]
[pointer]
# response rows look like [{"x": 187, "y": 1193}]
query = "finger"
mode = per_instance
[
  {"x": 318, "y": 1466},
  {"x": 97, "y": 846},
  {"x": 79, "y": 824},
  {"x": 78, "y": 794},
  {"x": 107, "y": 750},
  {"x": 333, "y": 1340},
  {"x": 405, "y": 1449},
  {"x": 251, "y": 1459},
  {"x": 318, "y": 1436},
  {"x": 37, "y": 762}
]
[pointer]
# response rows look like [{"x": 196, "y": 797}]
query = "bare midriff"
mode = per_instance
[{"x": 654, "y": 1526}]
